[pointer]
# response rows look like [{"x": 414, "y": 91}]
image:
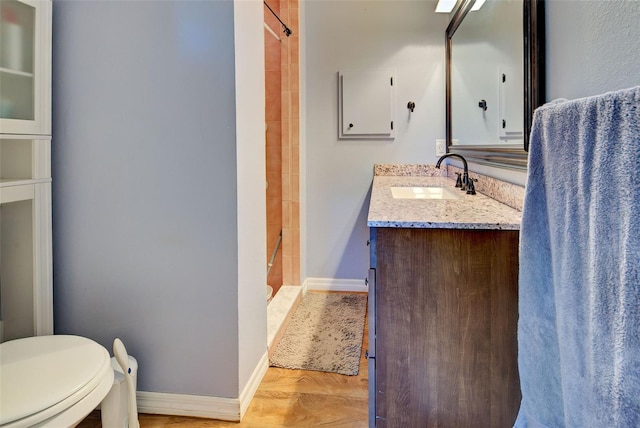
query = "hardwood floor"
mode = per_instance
[{"x": 288, "y": 398}]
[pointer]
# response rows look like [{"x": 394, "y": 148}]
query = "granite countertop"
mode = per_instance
[{"x": 469, "y": 212}]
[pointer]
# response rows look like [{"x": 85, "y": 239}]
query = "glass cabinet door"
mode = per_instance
[{"x": 25, "y": 57}]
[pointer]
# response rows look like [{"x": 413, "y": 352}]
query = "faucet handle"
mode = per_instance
[
  {"x": 459, "y": 179},
  {"x": 471, "y": 189}
]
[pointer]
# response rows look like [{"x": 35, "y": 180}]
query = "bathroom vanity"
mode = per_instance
[{"x": 443, "y": 306}]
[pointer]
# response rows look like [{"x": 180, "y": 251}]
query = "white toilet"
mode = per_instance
[{"x": 53, "y": 381}]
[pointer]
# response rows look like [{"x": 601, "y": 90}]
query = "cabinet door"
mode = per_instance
[
  {"x": 371, "y": 352},
  {"x": 25, "y": 67},
  {"x": 446, "y": 318},
  {"x": 26, "y": 280},
  {"x": 372, "y": 327},
  {"x": 366, "y": 105},
  {"x": 26, "y": 300}
]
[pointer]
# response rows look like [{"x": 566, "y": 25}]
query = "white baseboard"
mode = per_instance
[
  {"x": 336, "y": 284},
  {"x": 226, "y": 409},
  {"x": 254, "y": 382}
]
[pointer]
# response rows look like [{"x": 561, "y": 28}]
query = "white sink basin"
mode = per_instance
[{"x": 425, "y": 193}]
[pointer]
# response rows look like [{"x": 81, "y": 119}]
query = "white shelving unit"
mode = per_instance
[{"x": 26, "y": 285}]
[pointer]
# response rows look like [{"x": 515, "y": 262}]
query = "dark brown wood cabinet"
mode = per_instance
[{"x": 444, "y": 311}]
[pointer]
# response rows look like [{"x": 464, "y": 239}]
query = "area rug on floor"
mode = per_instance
[{"x": 324, "y": 334}]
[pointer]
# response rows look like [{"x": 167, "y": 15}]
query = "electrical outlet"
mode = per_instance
[{"x": 441, "y": 147}]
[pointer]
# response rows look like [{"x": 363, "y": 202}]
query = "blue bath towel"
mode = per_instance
[{"x": 579, "y": 325}]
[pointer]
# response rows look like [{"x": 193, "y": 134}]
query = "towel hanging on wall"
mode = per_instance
[{"x": 579, "y": 281}]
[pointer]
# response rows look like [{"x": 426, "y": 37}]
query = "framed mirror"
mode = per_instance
[{"x": 494, "y": 80}]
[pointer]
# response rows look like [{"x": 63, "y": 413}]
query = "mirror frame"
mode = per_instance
[{"x": 512, "y": 156}]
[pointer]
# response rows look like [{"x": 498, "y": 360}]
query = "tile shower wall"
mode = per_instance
[
  {"x": 283, "y": 142},
  {"x": 273, "y": 117},
  {"x": 290, "y": 127}
]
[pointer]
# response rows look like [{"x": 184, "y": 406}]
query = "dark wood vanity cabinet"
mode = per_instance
[{"x": 443, "y": 318}]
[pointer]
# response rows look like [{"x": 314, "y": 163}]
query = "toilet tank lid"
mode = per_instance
[{"x": 39, "y": 372}]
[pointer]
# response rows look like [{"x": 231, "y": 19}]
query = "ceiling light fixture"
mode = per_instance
[
  {"x": 478, "y": 4},
  {"x": 445, "y": 6}
]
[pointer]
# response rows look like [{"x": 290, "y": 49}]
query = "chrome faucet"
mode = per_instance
[{"x": 465, "y": 175}]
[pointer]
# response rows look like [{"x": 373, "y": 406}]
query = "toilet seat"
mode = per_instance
[{"x": 52, "y": 380}]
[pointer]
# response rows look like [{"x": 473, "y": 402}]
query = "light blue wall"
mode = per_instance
[
  {"x": 404, "y": 36},
  {"x": 251, "y": 172},
  {"x": 592, "y": 47},
  {"x": 144, "y": 186},
  {"x": 146, "y": 238}
]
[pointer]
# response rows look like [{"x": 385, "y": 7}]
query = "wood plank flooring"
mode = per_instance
[{"x": 288, "y": 398}]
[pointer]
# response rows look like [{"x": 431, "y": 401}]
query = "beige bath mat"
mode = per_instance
[{"x": 324, "y": 334}]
